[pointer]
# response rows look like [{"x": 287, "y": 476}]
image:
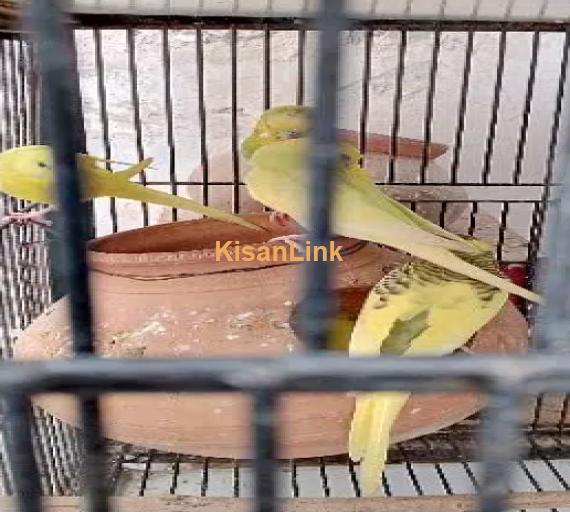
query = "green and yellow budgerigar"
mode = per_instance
[
  {"x": 27, "y": 173},
  {"x": 419, "y": 309},
  {"x": 278, "y": 178}
]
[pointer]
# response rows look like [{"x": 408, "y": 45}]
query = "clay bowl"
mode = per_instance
[{"x": 158, "y": 292}]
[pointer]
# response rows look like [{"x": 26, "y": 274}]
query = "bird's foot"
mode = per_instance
[
  {"x": 26, "y": 218},
  {"x": 279, "y": 218},
  {"x": 297, "y": 241}
]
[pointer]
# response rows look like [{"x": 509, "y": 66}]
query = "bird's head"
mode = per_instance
[
  {"x": 25, "y": 160},
  {"x": 277, "y": 124},
  {"x": 349, "y": 155}
]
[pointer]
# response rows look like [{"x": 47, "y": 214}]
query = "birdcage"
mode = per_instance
[{"x": 465, "y": 101}]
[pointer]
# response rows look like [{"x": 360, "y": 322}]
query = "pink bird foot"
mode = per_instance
[
  {"x": 26, "y": 218},
  {"x": 280, "y": 218},
  {"x": 297, "y": 240}
]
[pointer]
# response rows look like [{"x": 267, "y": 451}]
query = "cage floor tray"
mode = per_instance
[{"x": 159, "y": 292}]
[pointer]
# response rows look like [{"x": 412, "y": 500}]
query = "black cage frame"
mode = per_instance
[{"x": 507, "y": 380}]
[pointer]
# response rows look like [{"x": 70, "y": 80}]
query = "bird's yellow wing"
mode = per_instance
[
  {"x": 361, "y": 180},
  {"x": 278, "y": 178},
  {"x": 404, "y": 315},
  {"x": 407, "y": 315}
]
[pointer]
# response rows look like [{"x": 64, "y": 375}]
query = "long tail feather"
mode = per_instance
[
  {"x": 128, "y": 190},
  {"x": 135, "y": 169},
  {"x": 90, "y": 161},
  {"x": 360, "y": 427},
  {"x": 383, "y": 409}
]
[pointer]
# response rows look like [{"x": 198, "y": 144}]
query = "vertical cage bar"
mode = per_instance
[
  {"x": 104, "y": 116},
  {"x": 23, "y": 112},
  {"x": 45, "y": 435},
  {"x": 235, "y": 145},
  {"x": 20, "y": 448},
  {"x": 202, "y": 115},
  {"x": 553, "y": 322},
  {"x": 499, "y": 447},
  {"x": 538, "y": 219},
  {"x": 30, "y": 92},
  {"x": 57, "y": 271},
  {"x": 14, "y": 94},
  {"x": 5, "y": 345},
  {"x": 323, "y": 161},
  {"x": 166, "y": 66},
  {"x": 4, "y": 120},
  {"x": 34, "y": 97},
  {"x": 521, "y": 146},
  {"x": 492, "y": 130},
  {"x": 7, "y": 133},
  {"x": 266, "y": 68},
  {"x": 135, "y": 100},
  {"x": 539, "y": 212},
  {"x": 264, "y": 450},
  {"x": 55, "y": 59},
  {"x": 397, "y": 105},
  {"x": 10, "y": 296},
  {"x": 364, "y": 110},
  {"x": 301, "y": 44},
  {"x": 430, "y": 96},
  {"x": 42, "y": 459},
  {"x": 502, "y": 230},
  {"x": 4, "y": 476}
]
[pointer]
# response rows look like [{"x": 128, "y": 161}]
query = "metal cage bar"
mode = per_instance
[
  {"x": 57, "y": 85},
  {"x": 317, "y": 308}
]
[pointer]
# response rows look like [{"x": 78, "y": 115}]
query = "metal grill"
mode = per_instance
[{"x": 518, "y": 196}]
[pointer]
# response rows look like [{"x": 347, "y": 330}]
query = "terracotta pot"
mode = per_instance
[{"x": 158, "y": 292}]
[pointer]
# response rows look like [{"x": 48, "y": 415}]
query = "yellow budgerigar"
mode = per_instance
[
  {"x": 278, "y": 178},
  {"x": 418, "y": 309},
  {"x": 26, "y": 173}
]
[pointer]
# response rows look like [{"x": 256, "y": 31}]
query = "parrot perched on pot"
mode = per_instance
[
  {"x": 27, "y": 173},
  {"x": 278, "y": 178},
  {"x": 419, "y": 309}
]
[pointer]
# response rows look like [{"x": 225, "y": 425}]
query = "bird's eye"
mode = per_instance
[{"x": 290, "y": 134}]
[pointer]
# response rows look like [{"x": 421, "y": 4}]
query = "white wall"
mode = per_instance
[{"x": 217, "y": 64}]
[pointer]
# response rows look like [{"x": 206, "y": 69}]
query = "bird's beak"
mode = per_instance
[{"x": 249, "y": 146}]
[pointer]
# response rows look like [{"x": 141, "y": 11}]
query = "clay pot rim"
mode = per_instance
[{"x": 201, "y": 255}]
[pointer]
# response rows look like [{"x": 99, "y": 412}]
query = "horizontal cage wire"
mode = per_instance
[
  {"x": 412, "y": 11},
  {"x": 490, "y": 94}
]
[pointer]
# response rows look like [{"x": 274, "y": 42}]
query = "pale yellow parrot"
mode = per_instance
[
  {"x": 278, "y": 178},
  {"x": 418, "y": 309},
  {"x": 26, "y": 173}
]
